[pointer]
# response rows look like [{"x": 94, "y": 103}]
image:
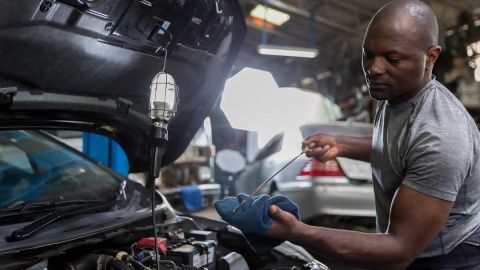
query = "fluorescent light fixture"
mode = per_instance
[
  {"x": 323, "y": 75},
  {"x": 476, "y": 72},
  {"x": 287, "y": 51},
  {"x": 449, "y": 32},
  {"x": 270, "y": 15}
]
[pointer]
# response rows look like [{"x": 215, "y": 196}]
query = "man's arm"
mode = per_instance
[
  {"x": 326, "y": 147},
  {"x": 415, "y": 220}
]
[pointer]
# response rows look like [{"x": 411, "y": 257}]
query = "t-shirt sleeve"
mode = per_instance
[{"x": 438, "y": 160}]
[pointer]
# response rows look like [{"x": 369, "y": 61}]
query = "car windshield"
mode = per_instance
[{"x": 34, "y": 167}]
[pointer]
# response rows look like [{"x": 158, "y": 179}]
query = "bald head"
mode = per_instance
[
  {"x": 412, "y": 19},
  {"x": 399, "y": 50}
]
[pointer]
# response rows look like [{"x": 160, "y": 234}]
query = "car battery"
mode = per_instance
[
  {"x": 192, "y": 252},
  {"x": 201, "y": 235}
]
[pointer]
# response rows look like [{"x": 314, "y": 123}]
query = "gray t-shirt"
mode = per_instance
[{"x": 430, "y": 144}]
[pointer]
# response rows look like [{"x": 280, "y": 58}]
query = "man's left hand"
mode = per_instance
[{"x": 284, "y": 223}]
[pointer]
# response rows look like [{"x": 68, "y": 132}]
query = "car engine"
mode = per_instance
[
  {"x": 196, "y": 249},
  {"x": 184, "y": 241}
]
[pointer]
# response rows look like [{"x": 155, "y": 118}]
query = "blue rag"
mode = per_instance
[
  {"x": 253, "y": 219},
  {"x": 192, "y": 198}
]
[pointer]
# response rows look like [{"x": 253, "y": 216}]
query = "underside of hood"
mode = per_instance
[{"x": 88, "y": 65}]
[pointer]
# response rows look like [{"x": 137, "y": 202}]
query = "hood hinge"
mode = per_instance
[
  {"x": 6, "y": 96},
  {"x": 123, "y": 106}
]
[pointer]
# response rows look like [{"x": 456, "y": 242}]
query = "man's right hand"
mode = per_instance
[
  {"x": 325, "y": 147},
  {"x": 321, "y": 147}
]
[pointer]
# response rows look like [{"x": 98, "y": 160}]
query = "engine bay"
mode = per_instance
[{"x": 178, "y": 250}]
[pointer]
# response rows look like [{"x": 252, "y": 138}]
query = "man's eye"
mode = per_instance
[{"x": 393, "y": 60}]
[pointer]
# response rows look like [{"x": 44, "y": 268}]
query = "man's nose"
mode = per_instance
[{"x": 376, "y": 66}]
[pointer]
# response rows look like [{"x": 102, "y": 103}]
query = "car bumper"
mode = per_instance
[{"x": 316, "y": 197}]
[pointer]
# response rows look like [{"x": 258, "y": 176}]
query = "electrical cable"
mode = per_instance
[
  {"x": 138, "y": 264},
  {"x": 157, "y": 259},
  {"x": 157, "y": 157}
]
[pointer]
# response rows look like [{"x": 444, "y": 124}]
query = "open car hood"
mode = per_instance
[{"x": 88, "y": 65}]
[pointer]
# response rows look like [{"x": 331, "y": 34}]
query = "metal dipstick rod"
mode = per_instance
[{"x": 260, "y": 187}]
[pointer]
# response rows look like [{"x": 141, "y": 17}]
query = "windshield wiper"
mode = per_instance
[
  {"x": 61, "y": 210},
  {"x": 42, "y": 206},
  {"x": 28, "y": 207}
]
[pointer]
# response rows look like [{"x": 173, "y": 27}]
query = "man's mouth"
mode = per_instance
[{"x": 376, "y": 85}]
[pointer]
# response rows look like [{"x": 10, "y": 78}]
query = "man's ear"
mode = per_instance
[{"x": 432, "y": 55}]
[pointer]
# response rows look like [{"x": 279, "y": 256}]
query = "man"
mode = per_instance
[{"x": 425, "y": 155}]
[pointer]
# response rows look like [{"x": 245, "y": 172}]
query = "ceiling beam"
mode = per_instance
[
  {"x": 352, "y": 8},
  {"x": 455, "y": 4},
  {"x": 289, "y": 36},
  {"x": 303, "y": 13},
  {"x": 359, "y": 29}
]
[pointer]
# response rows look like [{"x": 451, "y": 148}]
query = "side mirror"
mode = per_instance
[{"x": 230, "y": 161}]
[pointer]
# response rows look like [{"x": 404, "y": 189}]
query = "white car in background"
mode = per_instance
[{"x": 341, "y": 187}]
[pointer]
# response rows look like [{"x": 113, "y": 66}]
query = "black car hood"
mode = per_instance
[{"x": 69, "y": 64}]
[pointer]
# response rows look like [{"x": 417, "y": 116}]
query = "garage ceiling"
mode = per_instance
[{"x": 336, "y": 28}]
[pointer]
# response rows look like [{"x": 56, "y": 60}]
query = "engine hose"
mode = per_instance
[
  {"x": 146, "y": 259},
  {"x": 138, "y": 265},
  {"x": 104, "y": 261},
  {"x": 171, "y": 264}
]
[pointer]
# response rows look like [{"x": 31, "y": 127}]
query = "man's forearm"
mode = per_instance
[
  {"x": 359, "y": 148},
  {"x": 374, "y": 251}
]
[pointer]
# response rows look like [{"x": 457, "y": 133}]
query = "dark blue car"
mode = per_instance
[{"x": 87, "y": 66}]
